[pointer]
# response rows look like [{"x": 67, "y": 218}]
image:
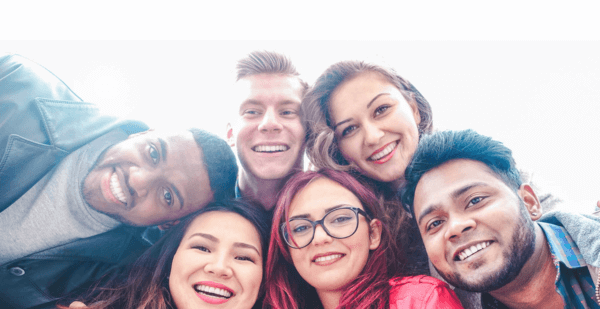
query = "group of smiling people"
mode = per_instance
[{"x": 354, "y": 231}]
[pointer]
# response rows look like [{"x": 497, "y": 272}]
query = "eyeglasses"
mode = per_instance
[{"x": 339, "y": 223}]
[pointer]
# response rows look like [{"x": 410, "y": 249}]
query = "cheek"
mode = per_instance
[
  {"x": 435, "y": 250},
  {"x": 350, "y": 149},
  {"x": 299, "y": 259},
  {"x": 296, "y": 128},
  {"x": 255, "y": 278}
]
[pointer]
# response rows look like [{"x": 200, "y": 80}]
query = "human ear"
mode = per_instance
[
  {"x": 531, "y": 201},
  {"x": 168, "y": 225},
  {"x": 375, "y": 229},
  {"x": 229, "y": 135}
]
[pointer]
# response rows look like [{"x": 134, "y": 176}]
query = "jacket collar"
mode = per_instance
[{"x": 72, "y": 124}]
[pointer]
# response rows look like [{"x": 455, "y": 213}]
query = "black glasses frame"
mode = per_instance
[{"x": 284, "y": 226}]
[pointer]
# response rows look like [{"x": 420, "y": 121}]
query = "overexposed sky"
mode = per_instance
[
  {"x": 541, "y": 98},
  {"x": 525, "y": 73}
]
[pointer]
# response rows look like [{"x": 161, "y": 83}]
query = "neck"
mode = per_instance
[
  {"x": 263, "y": 191},
  {"x": 398, "y": 183},
  {"x": 534, "y": 287},
  {"x": 330, "y": 299}
]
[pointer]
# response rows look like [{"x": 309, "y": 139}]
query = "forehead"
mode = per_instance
[
  {"x": 227, "y": 227},
  {"x": 361, "y": 89},
  {"x": 442, "y": 182},
  {"x": 361, "y": 86},
  {"x": 268, "y": 88},
  {"x": 322, "y": 193}
]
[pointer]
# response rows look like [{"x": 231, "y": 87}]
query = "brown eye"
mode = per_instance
[
  {"x": 167, "y": 196},
  {"x": 154, "y": 154},
  {"x": 381, "y": 109},
  {"x": 475, "y": 200},
  {"x": 348, "y": 130}
]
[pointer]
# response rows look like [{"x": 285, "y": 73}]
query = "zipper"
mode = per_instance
[{"x": 598, "y": 287}]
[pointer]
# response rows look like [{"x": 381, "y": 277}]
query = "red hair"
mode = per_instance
[{"x": 285, "y": 288}]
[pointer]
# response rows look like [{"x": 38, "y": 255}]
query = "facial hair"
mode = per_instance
[{"x": 519, "y": 252}]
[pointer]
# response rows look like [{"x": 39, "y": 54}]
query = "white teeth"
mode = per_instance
[
  {"x": 471, "y": 250},
  {"x": 213, "y": 290},
  {"x": 274, "y": 148},
  {"x": 328, "y": 257},
  {"x": 115, "y": 188},
  {"x": 384, "y": 152}
]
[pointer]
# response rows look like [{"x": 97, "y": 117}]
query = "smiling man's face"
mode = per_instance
[
  {"x": 150, "y": 178},
  {"x": 269, "y": 133},
  {"x": 475, "y": 228}
]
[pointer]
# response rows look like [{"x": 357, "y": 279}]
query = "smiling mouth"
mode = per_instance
[
  {"x": 461, "y": 256},
  {"x": 212, "y": 291},
  {"x": 328, "y": 258},
  {"x": 115, "y": 188},
  {"x": 384, "y": 152},
  {"x": 270, "y": 148}
]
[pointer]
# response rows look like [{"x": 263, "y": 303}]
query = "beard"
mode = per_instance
[{"x": 519, "y": 252}]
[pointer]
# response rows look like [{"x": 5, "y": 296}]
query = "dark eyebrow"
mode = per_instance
[
  {"x": 427, "y": 211},
  {"x": 178, "y": 195},
  {"x": 214, "y": 239},
  {"x": 306, "y": 216},
  {"x": 457, "y": 193},
  {"x": 163, "y": 148},
  {"x": 375, "y": 98},
  {"x": 207, "y": 236},
  {"x": 247, "y": 246},
  {"x": 368, "y": 105},
  {"x": 340, "y": 123}
]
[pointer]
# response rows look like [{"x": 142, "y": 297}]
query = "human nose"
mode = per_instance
[
  {"x": 219, "y": 266},
  {"x": 457, "y": 226},
  {"x": 141, "y": 179},
  {"x": 270, "y": 122},
  {"x": 321, "y": 237},
  {"x": 372, "y": 133}
]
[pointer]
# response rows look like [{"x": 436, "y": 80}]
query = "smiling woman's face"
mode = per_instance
[
  {"x": 328, "y": 263},
  {"x": 376, "y": 128},
  {"x": 218, "y": 263}
]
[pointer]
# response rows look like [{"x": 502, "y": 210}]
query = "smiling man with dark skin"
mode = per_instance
[
  {"x": 146, "y": 180},
  {"x": 78, "y": 188},
  {"x": 484, "y": 230}
]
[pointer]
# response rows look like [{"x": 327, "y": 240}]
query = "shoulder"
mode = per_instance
[
  {"x": 421, "y": 292},
  {"x": 421, "y": 280}
]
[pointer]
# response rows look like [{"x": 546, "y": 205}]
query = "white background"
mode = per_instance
[{"x": 525, "y": 74}]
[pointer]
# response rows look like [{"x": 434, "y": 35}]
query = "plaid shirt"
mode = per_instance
[{"x": 573, "y": 281}]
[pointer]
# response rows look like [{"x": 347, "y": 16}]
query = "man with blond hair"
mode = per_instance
[{"x": 268, "y": 131}]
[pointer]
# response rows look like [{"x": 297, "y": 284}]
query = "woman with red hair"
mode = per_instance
[{"x": 328, "y": 250}]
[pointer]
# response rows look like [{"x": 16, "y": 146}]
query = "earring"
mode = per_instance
[{"x": 534, "y": 214}]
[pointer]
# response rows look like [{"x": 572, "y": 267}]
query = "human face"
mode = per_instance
[
  {"x": 328, "y": 264},
  {"x": 270, "y": 136},
  {"x": 218, "y": 263},
  {"x": 376, "y": 128},
  {"x": 150, "y": 178},
  {"x": 478, "y": 233}
]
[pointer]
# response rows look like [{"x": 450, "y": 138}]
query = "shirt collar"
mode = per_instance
[{"x": 562, "y": 246}]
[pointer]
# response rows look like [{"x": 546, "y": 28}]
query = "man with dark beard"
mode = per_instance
[{"x": 484, "y": 230}]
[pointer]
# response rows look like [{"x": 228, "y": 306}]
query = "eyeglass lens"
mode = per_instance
[{"x": 340, "y": 223}]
